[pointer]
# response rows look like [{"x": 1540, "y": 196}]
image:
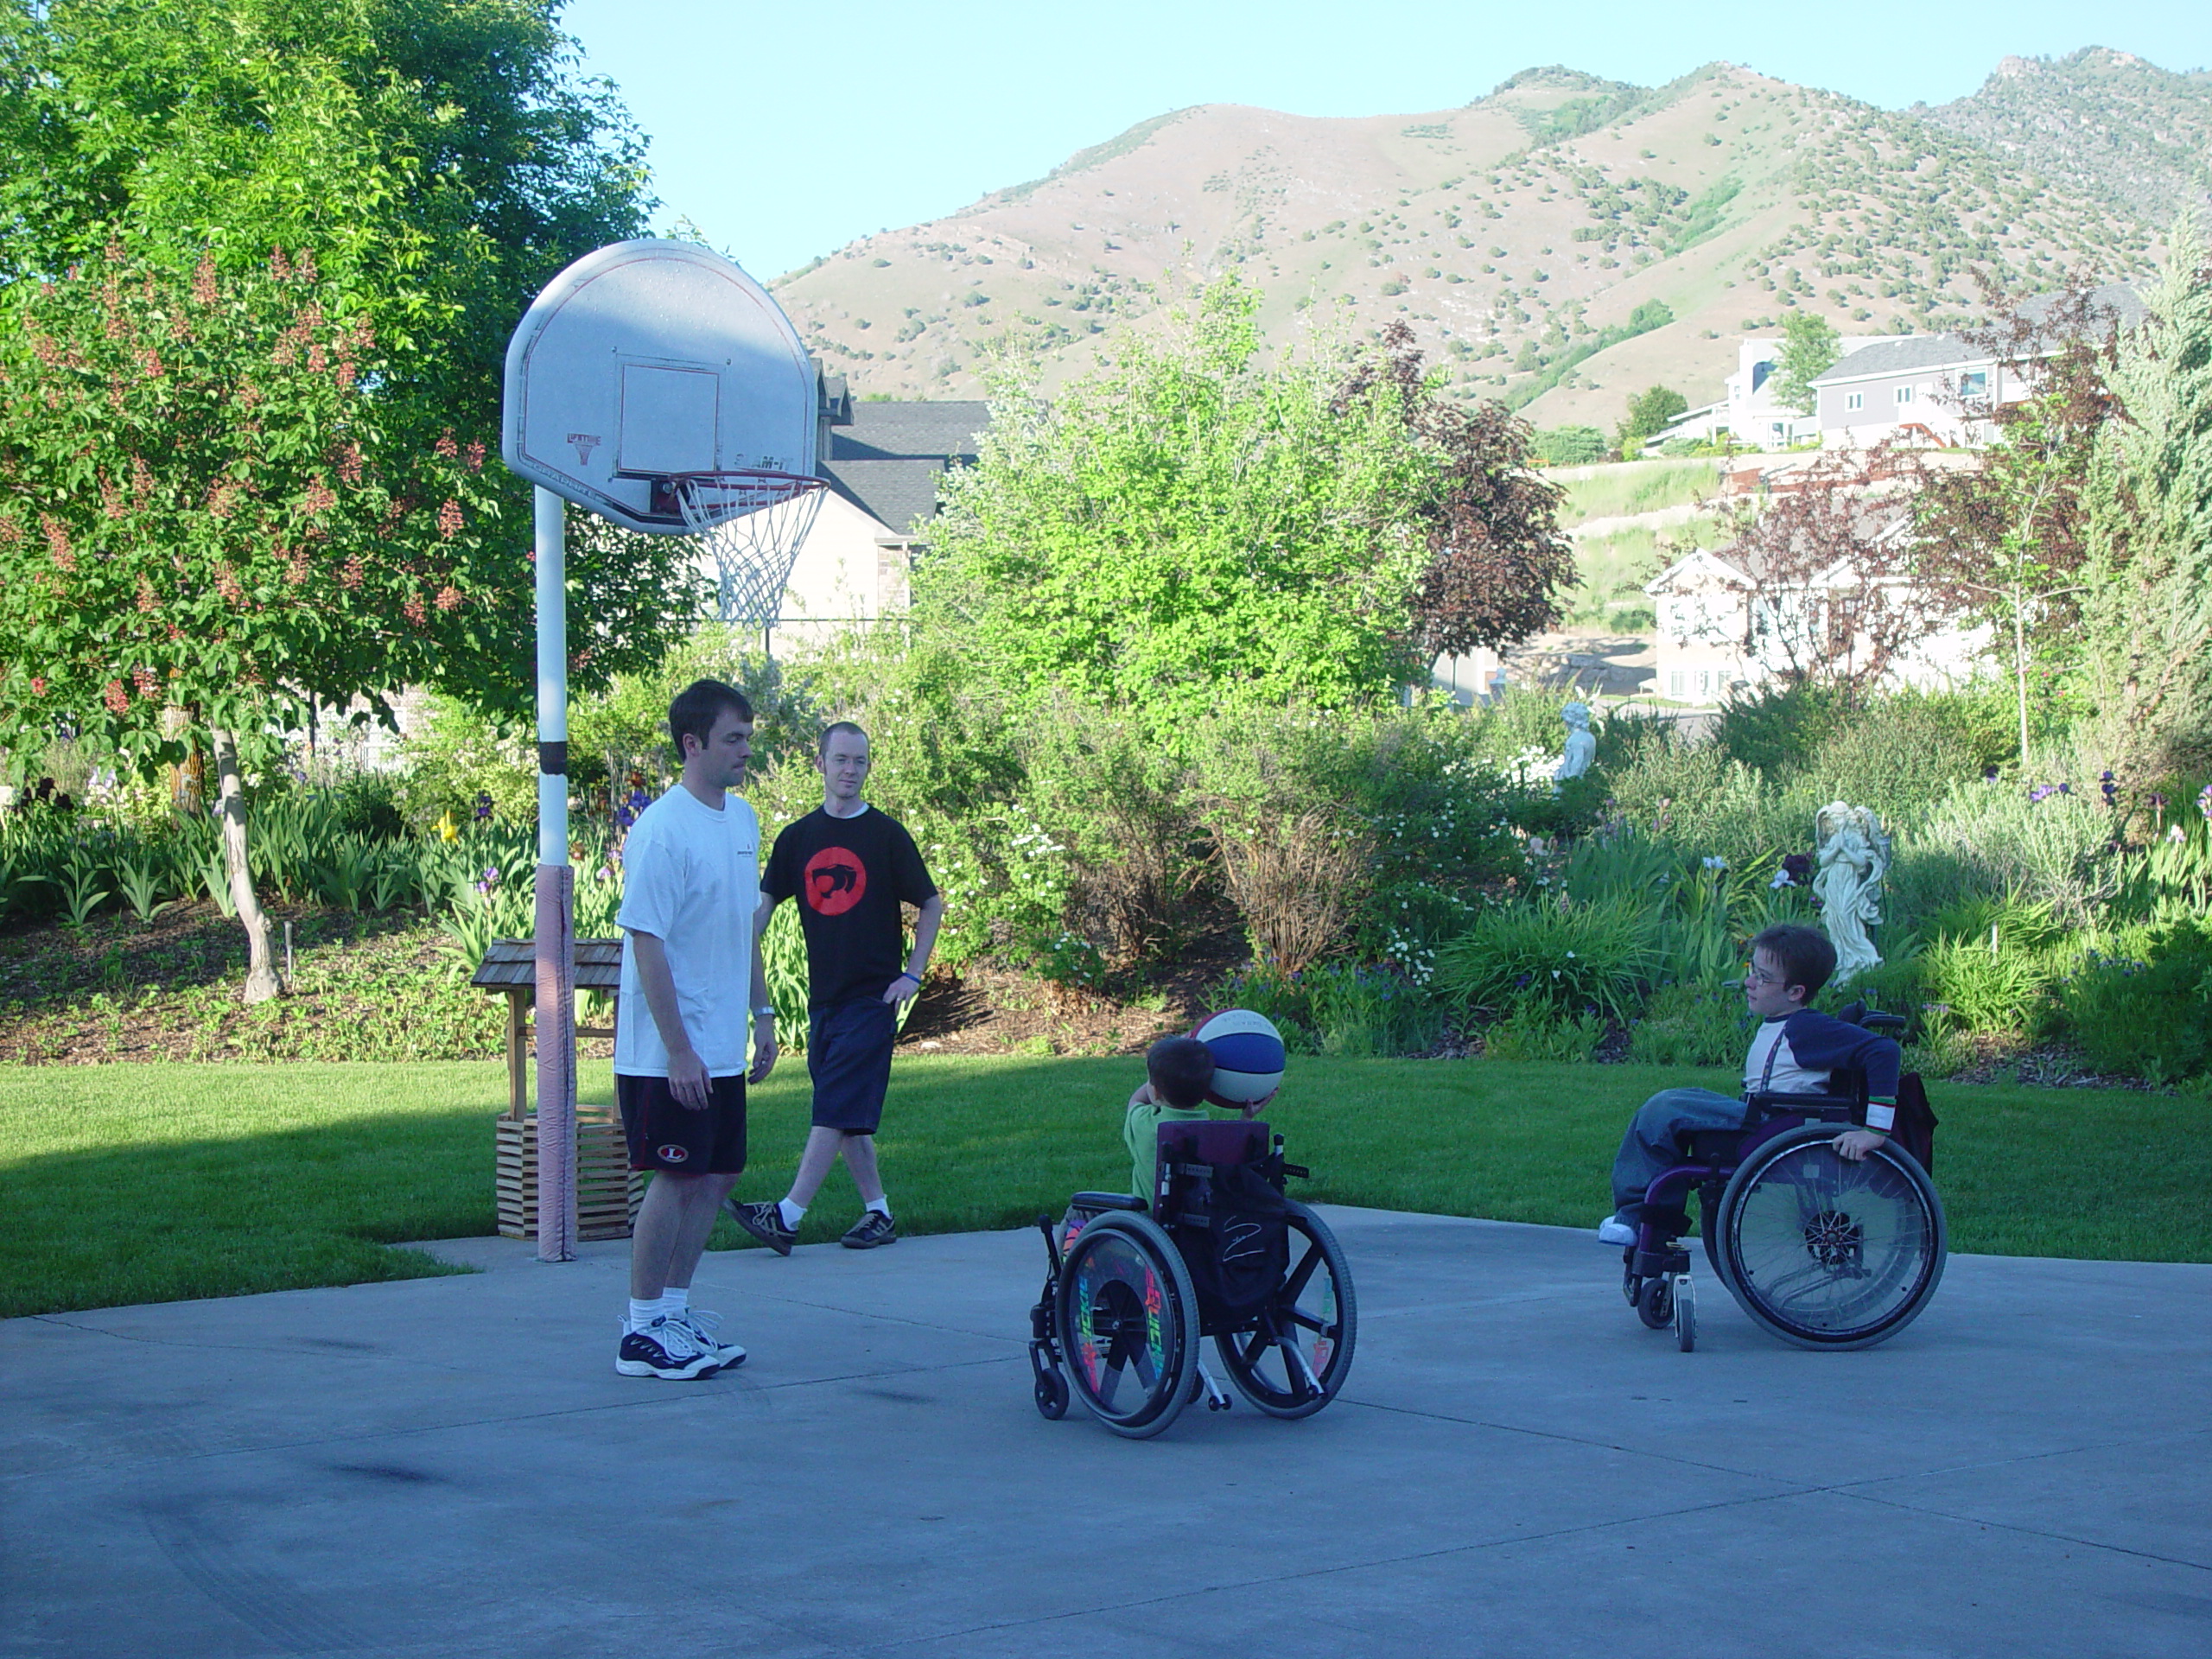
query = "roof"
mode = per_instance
[
  {"x": 1917, "y": 353},
  {"x": 897, "y": 492},
  {"x": 512, "y": 963},
  {"x": 944, "y": 431}
]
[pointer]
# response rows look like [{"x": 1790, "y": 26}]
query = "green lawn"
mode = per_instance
[{"x": 149, "y": 1182}]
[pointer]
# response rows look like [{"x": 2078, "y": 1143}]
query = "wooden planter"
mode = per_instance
[{"x": 608, "y": 1192}]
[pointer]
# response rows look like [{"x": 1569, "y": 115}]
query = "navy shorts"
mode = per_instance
[
  {"x": 666, "y": 1134},
  {"x": 849, "y": 1056}
]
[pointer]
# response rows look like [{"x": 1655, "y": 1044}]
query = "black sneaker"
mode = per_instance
[
  {"x": 765, "y": 1221},
  {"x": 874, "y": 1227},
  {"x": 664, "y": 1350}
]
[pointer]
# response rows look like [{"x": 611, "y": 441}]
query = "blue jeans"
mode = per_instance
[{"x": 1649, "y": 1149}]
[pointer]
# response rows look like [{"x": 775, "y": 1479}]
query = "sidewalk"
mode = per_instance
[{"x": 451, "y": 1466}]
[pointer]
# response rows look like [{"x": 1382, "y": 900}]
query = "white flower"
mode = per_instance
[{"x": 1781, "y": 880}]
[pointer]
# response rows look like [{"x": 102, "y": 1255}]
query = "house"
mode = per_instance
[
  {"x": 1933, "y": 389},
  {"x": 1747, "y": 412},
  {"x": 1725, "y": 626},
  {"x": 883, "y": 462}
]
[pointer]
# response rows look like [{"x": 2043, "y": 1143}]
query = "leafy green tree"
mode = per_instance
[
  {"x": 2147, "y": 613},
  {"x": 1810, "y": 347},
  {"x": 1570, "y": 446},
  {"x": 198, "y": 546},
  {"x": 1186, "y": 527},
  {"x": 1649, "y": 414}
]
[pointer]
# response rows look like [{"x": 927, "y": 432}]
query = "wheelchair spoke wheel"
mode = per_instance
[
  {"x": 1127, "y": 1321},
  {"x": 1825, "y": 1253},
  {"x": 1293, "y": 1355}
]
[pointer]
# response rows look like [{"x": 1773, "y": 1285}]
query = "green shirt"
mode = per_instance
[{"x": 1141, "y": 1133}]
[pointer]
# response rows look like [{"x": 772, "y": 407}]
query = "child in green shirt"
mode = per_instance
[{"x": 1177, "y": 1072}]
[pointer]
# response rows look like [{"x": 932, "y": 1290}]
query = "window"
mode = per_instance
[
  {"x": 1675, "y": 679},
  {"x": 1704, "y": 682},
  {"x": 1759, "y": 372},
  {"x": 1974, "y": 384},
  {"x": 1854, "y": 400},
  {"x": 1905, "y": 394}
]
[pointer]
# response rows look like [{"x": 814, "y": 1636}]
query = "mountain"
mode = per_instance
[
  {"x": 1561, "y": 244},
  {"x": 2103, "y": 124}
]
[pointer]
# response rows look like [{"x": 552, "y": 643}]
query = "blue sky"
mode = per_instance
[{"x": 783, "y": 132}]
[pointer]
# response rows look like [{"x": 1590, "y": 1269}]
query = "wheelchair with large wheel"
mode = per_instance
[
  {"x": 1133, "y": 1289},
  {"x": 1820, "y": 1250}
]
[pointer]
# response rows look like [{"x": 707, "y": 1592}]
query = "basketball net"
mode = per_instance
[{"x": 753, "y": 525}]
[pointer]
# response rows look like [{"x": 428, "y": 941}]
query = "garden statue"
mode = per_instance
[
  {"x": 1581, "y": 747},
  {"x": 1854, "y": 854}
]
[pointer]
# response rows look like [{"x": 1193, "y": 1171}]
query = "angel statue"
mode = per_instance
[
  {"x": 1581, "y": 746},
  {"x": 1854, "y": 855}
]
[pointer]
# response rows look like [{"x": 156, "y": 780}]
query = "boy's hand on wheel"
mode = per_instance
[{"x": 1855, "y": 1144}]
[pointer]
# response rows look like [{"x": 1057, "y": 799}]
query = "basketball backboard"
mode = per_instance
[{"x": 648, "y": 359}]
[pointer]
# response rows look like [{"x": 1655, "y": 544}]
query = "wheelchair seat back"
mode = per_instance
[{"x": 1219, "y": 1192}]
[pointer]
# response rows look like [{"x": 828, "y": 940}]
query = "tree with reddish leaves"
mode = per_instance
[
  {"x": 1827, "y": 564},
  {"x": 2004, "y": 539},
  {"x": 1497, "y": 563}
]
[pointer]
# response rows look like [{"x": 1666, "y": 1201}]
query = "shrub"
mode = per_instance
[
  {"x": 1535, "y": 1032},
  {"x": 1571, "y": 446},
  {"x": 2146, "y": 1010},
  {"x": 1555, "y": 953},
  {"x": 1773, "y": 728},
  {"x": 1966, "y": 986},
  {"x": 1900, "y": 757},
  {"x": 2056, "y": 848},
  {"x": 1690, "y": 1025}
]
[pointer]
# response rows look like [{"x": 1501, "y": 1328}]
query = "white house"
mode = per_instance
[
  {"x": 1722, "y": 628},
  {"x": 1747, "y": 411}
]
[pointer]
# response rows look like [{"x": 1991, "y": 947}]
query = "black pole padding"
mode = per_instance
[{"x": 553, "y": 759}]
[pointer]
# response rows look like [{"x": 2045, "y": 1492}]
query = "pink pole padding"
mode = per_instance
[{"x": 556, "y": 1065}]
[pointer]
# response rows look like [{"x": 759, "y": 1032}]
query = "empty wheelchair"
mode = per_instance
[
  {"x": 1818, "y": 1250},
  {"x": 1133, "y": 1289}
]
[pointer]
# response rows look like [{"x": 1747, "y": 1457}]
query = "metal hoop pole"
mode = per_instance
[{"x": 555, "y": 1013}]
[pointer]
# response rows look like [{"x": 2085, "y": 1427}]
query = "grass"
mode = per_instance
[
  {"x": 1637, "y": 486},
  {"x": 156, "y": 1182},
  {"x": 1611, "y": 570}
]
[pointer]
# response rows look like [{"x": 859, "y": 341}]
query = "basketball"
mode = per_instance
[{"x": 1248, "y": 1057}]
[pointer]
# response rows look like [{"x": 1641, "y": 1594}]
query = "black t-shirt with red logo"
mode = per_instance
[{"x": 849, "y": 875}]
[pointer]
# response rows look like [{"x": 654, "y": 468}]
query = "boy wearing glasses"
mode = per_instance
[{"x": 1793, "y": 1051}]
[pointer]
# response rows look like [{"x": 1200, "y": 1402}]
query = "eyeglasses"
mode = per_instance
[{"x": 1760, "y": 976}]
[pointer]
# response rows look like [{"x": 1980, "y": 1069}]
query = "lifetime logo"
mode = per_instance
[{"x": 675, "y": 1154}]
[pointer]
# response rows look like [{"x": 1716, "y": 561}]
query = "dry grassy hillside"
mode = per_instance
[{"x": 1526, "y": 237}]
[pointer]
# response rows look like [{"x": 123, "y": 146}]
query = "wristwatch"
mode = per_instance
[{"x": 766, "y": 1011}]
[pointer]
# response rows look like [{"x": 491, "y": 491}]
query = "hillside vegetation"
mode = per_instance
[{"x": 1557, "y": 245}]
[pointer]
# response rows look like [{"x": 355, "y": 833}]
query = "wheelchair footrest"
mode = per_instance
[{"x": 1652, "y": 1264}]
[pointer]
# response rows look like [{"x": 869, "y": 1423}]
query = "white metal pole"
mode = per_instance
[{"x": 555, "y": 944}]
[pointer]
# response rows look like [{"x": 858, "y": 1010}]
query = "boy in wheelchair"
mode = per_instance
[
  {"x": 1794, "y": 1051},
  {"x": 1177, "y": 1072}
]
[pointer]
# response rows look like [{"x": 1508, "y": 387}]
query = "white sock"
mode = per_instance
[
  {"x": 643, "y": 1313},
  {"x": 673, "y": 1301},
  {"x": 792, "y": 1213},
  {"x": 881, "y": 1206}
]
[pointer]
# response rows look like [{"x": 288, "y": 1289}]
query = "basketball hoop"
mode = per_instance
[{"x": 753, "y": 524}]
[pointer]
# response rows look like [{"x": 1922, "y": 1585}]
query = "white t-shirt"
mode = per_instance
[
  {"x": 691, "y": 877},
  {"x": 1772, "y": 1066}
]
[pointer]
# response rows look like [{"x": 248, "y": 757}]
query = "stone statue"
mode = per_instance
[
  {"x": 1581, "y": 746},
  {"x": 1854, "y": 854}
]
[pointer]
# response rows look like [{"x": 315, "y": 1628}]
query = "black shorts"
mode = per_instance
[
  {"x": 849, "y": 1056},
  {"x": 665, "y": 1134}
]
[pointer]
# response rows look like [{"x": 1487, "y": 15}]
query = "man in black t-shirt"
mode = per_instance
[{"x": 850, "y": 867}]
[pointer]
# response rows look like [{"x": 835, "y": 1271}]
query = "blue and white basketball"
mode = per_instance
[{"x": 1248, "y": 1057}]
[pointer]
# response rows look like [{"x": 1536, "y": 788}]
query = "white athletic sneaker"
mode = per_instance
[
  {"x": 663, "y": 1349},
  {"x": 699, "y": 1325},
  {"x": 1617, "y": 1231}
]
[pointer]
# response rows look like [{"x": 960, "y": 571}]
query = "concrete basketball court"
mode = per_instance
[{"x": 451, "y": 1466}]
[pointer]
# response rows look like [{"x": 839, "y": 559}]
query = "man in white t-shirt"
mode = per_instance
[{"x": 691, "y": 970}]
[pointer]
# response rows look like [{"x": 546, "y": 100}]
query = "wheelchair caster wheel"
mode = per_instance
[
  {"x": 1654, "y": 1304},
  {"x": 1051, "y": 1396},
  {"x": 1685, "y": 1314}
]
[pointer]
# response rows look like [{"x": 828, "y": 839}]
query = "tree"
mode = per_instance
[
  {"x": 1810, "y": 347},
  {"x": 2004, "y": 539},
  {"x": 441, "y": 156},
  {"x": 1497, "y": 561},
  {"x": 1650, "y": 414},
  {"x": 1570, "y": 446},
  {"x": 2146, "y": 613},
  {"x": 197, "y": 542},
  {"x": 1185, "y": 527},
  {"x": 1828, "y": 564}
]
